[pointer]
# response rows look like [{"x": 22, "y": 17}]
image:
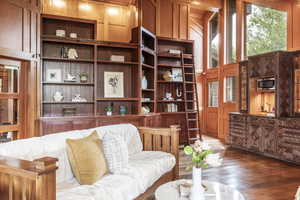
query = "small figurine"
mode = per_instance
[
  {"x": 168, "y": 96},
  {"x": 78, "y": 98},
  {"x": 58, "y": 97},
  {"x": 70, "y": 78},
  {"x": 72, "y": 54}
]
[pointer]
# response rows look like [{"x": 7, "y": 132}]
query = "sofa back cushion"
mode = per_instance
[
  {"x": 87, "y": 159},
  {"x": 54, "y": 145}
]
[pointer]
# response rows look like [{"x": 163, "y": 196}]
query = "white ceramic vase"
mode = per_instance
[
  {"x": 144, "y": 83},
  {"x": 197, "y": 190}
]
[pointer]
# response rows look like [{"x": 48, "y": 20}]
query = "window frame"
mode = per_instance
[
  {"x": 209, "y": 63},
  {"x": 245, "y": 55},
  {"x": 209, "y": 97},
  {"x": 228, "y": 43},
  {"x": 233, "y": 90}
]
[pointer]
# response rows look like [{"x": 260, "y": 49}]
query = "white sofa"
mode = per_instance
[{"x": 145, "y": 167}]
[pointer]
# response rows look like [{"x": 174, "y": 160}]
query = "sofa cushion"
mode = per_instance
[
  {"x": 87, "y": 159},
  {"x": 116, "y": 152},
  {"x": 128, "y": 132},
  {"x": 148, "y": 166},
  {"x": 110, "y": 187}
]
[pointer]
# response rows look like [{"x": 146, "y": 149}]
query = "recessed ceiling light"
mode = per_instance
[
  {"x": 196, "y": 3},
  {"x": 59, "y": 3},
  {"x": 113, "y": 11},
  {"x": 85, "y": 6}
]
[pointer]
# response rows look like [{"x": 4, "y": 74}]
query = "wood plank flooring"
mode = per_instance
[{"x": 257, "y": 177}]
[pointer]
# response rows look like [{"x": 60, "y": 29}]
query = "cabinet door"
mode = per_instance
[
  {"x": 254, "y": 137},
  {"x": 269, "y": 139},
  {"x": 238, "y": 130}
]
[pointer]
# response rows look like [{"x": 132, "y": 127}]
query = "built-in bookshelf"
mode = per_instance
[
  {"x": 95, "y": 60},
  {"x": 176, "y": 82},
  {"x": 147, "y": 67}
]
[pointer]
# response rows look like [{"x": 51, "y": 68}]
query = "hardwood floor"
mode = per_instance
[{"x": 257, "y": 177}]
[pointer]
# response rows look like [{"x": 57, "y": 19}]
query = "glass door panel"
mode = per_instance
[{"x": 9, "y": 79}]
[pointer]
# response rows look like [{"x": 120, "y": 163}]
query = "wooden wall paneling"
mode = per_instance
[
  {"x": 166, "y": 18},
  {"x": 114, "y": 21},
  {"x": 149, "y": 15}
]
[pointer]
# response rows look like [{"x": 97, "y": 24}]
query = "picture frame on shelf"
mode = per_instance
[
  {"x": 54, "y": 75},
  {"x": 114, "y": 84},
  {"x": 177, "y": 74}
]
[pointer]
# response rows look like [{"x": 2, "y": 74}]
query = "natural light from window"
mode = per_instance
[{"x": 266, "y": 30}]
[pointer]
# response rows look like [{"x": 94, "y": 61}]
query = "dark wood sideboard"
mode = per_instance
[{"x": 254, "y": 129}]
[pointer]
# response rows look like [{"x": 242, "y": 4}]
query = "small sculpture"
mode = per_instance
[
  {"x": 168, "y": 76},
  {"x": 178, "y": 92},
  {"x": 72, "y": 54},
  {"x": 58, "y": 97},
  {"x": 144, "y": 81},
  {"x": 123, "y": 110},
  {"x": 73, "y": 35},
  {"x": 145, "y": 110},
  {"x": 78, "y": 98},
  {"x": 168, "y": 96},
  {"x": 70, "y": 78}
]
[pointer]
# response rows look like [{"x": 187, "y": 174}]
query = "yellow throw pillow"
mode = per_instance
[{"x": 87, "y": 159}]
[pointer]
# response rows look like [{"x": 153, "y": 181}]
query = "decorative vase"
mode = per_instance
[
  {"x": 197, "y": 190},
  {"x": 144, "y": 83},
  {"x": 123, "y": 110},
  {"x": 109, "y": 113}
]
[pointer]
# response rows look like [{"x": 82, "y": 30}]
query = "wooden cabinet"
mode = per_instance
[{"x": 238, "y": 130}]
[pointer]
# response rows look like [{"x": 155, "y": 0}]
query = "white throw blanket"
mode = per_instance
[{"x": 297, "y": 197}]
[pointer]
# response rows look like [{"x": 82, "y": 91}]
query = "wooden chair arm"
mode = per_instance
[
  {"x": 27, "y": 180},
  {"x": 162, "y": 139}
]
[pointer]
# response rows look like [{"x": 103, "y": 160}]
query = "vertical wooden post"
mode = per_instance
[
  {"x": 46, "y": 181},
  {"x": 175, "y": 147}
]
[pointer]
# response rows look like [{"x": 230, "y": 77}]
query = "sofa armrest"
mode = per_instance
[
  {"x": 162, "y": 139},
  {"x": 27, "y": 180}
]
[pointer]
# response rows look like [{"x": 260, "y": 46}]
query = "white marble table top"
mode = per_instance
[{"x": 214, "y": 191}]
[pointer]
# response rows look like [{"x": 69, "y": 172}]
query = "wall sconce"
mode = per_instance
[
  {"x": 58, "y": 3},
  {"x": 85, "y": 6},
  {"x": 113, "y": 11}
]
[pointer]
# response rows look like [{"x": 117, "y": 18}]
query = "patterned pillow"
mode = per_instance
[{"x": 116, "y": 153}]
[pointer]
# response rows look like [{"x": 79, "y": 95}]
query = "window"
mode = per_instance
[
  {"x": 214, "y": 42},
  {"x": 213, "y": 94},
  {"x": 9, "y": 100},
  {"x": 230, "y": 89},
  {"x": 266, "y": 30},
  {"x": 231, "y": 32}
]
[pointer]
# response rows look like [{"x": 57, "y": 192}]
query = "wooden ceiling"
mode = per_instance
[{"x": 119, "y": 2}]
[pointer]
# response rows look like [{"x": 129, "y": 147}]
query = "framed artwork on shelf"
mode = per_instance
[
  {"x": 177, "y": 74},
  {"x": 53, "y": 75},
  {"x": 114, "y": 84}
]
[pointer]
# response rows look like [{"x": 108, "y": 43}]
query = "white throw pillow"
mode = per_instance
[{"x": 116, "y": 153}]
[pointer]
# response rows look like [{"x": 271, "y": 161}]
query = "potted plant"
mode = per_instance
[
  {"x": 202, "y": 157},
  {"x": 83, "y": 77},
  {"x": 109, "y": 109}
]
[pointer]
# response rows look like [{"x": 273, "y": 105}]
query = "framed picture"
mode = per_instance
[
  {"x": 177, "y": 74},
  {"x": 53, "y": 75},
  {"x": 0, "y": 84},
  {"x": 113, "y": 84}
]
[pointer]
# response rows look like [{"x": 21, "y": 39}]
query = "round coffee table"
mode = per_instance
[{"x": 214, "y": 191}]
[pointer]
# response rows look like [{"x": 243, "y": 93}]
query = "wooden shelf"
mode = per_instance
[
  {"x": 188, "y": 65},
  {"x": 170, "y": 113},
  {"x": 117, "y": 99},
  {"x": 148, "y": 101},
  {"x": 147, "y": 66},
  {"x": 68, "y": 60},
  {"x": 117, "y": 63},
  {"x": 118, "y": 45},
  {"x": 68, "y": 41},
  {"x": 148, "y": 90},
  {"x": 167, "y": 55},
  {"x": 170, "y": 101},
  {"x": 67, "y": 102},
  {"x": 168, "y": 66},
  {"x": 68, "y": 83},
  {"x": 161, "y": 81},
  {"x": 187, "y": 56},
  {"x": 146, "y": 50}
]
